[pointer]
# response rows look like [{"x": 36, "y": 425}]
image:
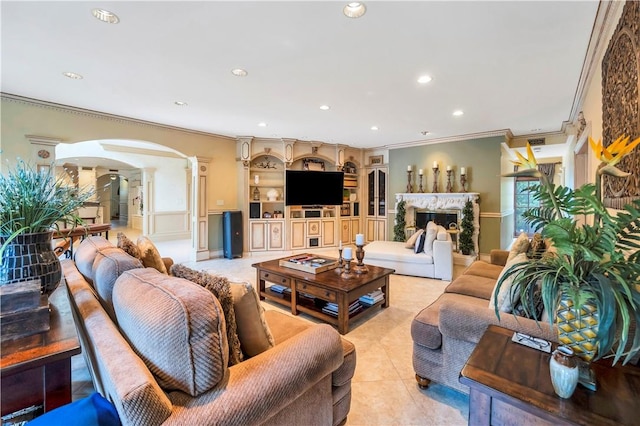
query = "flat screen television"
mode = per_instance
[{"x": 313, "y": 188}]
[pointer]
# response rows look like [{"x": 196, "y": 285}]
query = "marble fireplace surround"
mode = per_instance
[{"x": 440, "y": 202}]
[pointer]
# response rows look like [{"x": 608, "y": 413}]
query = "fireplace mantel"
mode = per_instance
[
  {"x": 437, "y": 201},
  {"x": 441, "y": 202}
]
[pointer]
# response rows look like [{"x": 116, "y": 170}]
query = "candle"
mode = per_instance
[
  {"x": 346, "y": 254},
  {"x": 408, "y": 168},
  {"x": 340, "y": 245},
  {"x": 359, "y": 239},
  {"x": 256, "y": 179},
  {"x": 463, "y": 171},
  {"x": 448, "y": 168},
  {"x": 435, "y": 164},
  {"x": 420, "y": 172}
]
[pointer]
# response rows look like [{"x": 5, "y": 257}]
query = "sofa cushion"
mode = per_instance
[
  {"x": 480, "y": 268},
  {"x": 253, "y": 330},
  {"x": 85, "y": 255},
  {"x": 175, "y": 326},
  {"x": 431, "y": 233},
  {"x": 219, "y": 287},
  {"x": 425, "y": 329},
  {"x": 150, "y": 255},
  {"x": 393, "y": 251},
  {"x": 508, "y": 295},
  {"x": 109, "y": 264},
  {"x": 411, "y": 242},
  {"x": 472, "y": 285},
  {"x": 128, "y": 246}
]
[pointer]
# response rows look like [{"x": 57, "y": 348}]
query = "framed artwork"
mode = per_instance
[
  {"x": 313, "y": 164},
  {"x": 376, "y": 159}
]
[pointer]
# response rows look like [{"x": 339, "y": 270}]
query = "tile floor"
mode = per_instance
[{"x": 384, "y": 390}]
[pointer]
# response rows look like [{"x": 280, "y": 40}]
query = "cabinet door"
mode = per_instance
[
  {"x": 313, "y": 228},
  {"x": 328, "y": 233},
  {"x": 370, "y": 235},
  {"x": 257, "y": 232},
  {"x": 382, "y": 193},
  {"x": 371, "y": 193},
  {"x": 275, "y": 235},
  {"x": 381, "y": 229},
  {"x": 345, "y": 231},
  {"x": 355, "y": 229},
  {"x": 298, "y": 234}
]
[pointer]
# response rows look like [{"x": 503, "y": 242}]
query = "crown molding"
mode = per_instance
[
  {"x": 506, "y": 133},
  {"x": 103, "y": 115}
]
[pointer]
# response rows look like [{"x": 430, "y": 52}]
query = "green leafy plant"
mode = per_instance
[
  {"x": 398, "y": 229},
  {"x": 33, "y": 201},
  {"x": 466, "y": 233},
  {"x": 595, "y": 254}
]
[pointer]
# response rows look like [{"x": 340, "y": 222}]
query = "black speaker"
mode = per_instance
[
  {"x": 232, "y": 234},
  {"x": 254, "y": 211}
]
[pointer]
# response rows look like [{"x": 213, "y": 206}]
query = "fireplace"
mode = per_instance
[{"x": 447, "y": 218}]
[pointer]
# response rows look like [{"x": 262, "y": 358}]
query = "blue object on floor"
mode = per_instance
[{"x": 93, "y": 410}]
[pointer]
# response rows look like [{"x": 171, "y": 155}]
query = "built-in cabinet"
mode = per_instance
[
  {"x": 376, "y": 192},
  {"x": 273, "y": 226}
]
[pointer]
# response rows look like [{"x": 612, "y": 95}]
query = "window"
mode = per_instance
[{"x": 523, "y": 201}]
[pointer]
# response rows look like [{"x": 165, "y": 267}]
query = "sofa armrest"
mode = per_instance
[
  {"x": 468, "y": 323},
  {"x": 443, "y": 259},
  {"x": 260, "y": 387},
  {"x": 499, "y": 257}
]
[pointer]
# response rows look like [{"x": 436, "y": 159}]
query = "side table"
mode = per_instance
[
  {"x": 35, "y": 371},
  {"x": 510, "y": 384}
]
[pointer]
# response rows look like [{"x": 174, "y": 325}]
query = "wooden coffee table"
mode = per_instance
[
  {"x": 325, "y": 287},
  {"x": 510, "y": 384}
]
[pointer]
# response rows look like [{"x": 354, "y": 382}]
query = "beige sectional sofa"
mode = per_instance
[
  {"x": 446, "y": 332},
  {"x": 157, "y": 348}
]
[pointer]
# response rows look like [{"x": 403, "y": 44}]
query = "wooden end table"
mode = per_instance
[
  {"x": 327, "y": 286},
  {"x": 36, "y": 370},
  {"x": 510, "y": 384}
]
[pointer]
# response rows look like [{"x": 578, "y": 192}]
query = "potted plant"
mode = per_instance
[
  {"x": 592, "y": 272},
  {"x": 467, "y": 228},
  {"x": 32, "y": 202},
  {"x": 398, "y": 229}
]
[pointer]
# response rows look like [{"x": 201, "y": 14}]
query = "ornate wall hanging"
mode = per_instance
[{"x": 620, "y": 103}]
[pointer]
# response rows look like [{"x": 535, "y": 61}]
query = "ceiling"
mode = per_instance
[{"x": 507, "y": 65}]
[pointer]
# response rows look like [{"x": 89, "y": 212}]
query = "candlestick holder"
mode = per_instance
[
  {"x": 347, "y": 274},
  {"x": 420, "y": 190},
  {"x": 463, "y": 182},
  {"x": 338, "y": 270},
  {"x": 435, "y": 179},
  {"x": 360, "y": 268},
  {"x": 449, "y": 185},
  {"x": 409, "y": 188}
]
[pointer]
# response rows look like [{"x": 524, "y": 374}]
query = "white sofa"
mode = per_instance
[{"x": 396, "y": 255}]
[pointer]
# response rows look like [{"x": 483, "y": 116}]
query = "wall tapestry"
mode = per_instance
[{"x": 620, "y": 103}]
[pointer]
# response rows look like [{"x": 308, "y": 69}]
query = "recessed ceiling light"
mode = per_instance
[
  {"x": 354, "y": 9},
  {"x": 375, "y": 128},
  {"x": 262, "y": 124},
  {"x": 105, "y": 16},
  {"x": 239, "y": 72},
  {"x": 425, "y": 132},
  {"x": 179, "y": 103},
  {"x": 424, "y": 79},
  {"x": 458, "y": 113},
  {"x": 536, "y": 130},
  {"x": 325, "y": 107},
  {"x": 72, "y": 75}
]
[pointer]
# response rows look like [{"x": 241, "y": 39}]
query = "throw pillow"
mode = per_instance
[
  {"x": 93, "y": 410},
  {"x": 431, "y": 233},
  {"x": 253, "y": 330},
  {"x": 520, "y": 245},
  {"x": 520, "y": 310},
  {"x": 508, "y": 295},
  {"x": 219, "y": 286},
  {"x": 419, "y": 247},
  {"x": 536, "y": 247},
  {"x": 128, "y": 246},
  {"x": 150, "y": 256},
  {"x": 411, "y": 242}
]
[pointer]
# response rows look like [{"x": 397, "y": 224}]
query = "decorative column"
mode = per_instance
[
  {"x": 43, "y": 150},
  {"x": 148, "y": 218},
  {"x": 199, "y": 208},
  {"x": 244, "y": 143}
]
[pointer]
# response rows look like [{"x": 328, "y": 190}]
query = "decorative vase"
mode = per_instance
[
  {"x": 578, "y": 328},
  {"x": 564, "y": 371},
  {"x": 30, "y": 256},
  {"x": 273, "y": 194}
]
